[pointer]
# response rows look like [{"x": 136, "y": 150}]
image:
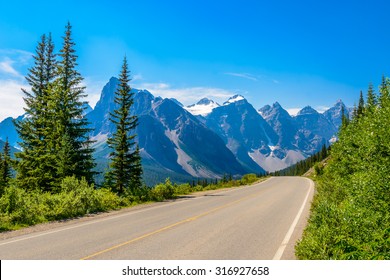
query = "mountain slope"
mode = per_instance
[
  {"x": 172, "y": 141},
  {"x": 334, "y": 113},
  {"x": 8, "y": 130},
  {"x": 283, "y": 124},
  {"x": 243, "y": 130},
  {"x": 203, "y": 107},
  {"x": 206, "y": 139}
]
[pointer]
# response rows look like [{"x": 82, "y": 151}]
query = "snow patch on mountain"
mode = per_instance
[
  {"x": 234, "y": 99},
  {"x": 272, "y": 163},
  {"x": 204, "y": 107}
]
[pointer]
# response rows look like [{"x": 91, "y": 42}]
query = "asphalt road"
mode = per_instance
[{"x": 261, "y": 221}]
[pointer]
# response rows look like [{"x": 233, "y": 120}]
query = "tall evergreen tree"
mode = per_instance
[
  {"x": 70, "y": 135},
  {"x": 371, "y": 99},
  {"x": 125, "y": 168},
  {"x": 344, "y": 119},
  {"x": 2, "y": 183},
  {"x": 384, "y": 90},
  {"x": 6, "y": 172},
  {"x": 360, "y": 108},
  {"x": 34, "y": 166},
  {"x": 5, "y": 166}
]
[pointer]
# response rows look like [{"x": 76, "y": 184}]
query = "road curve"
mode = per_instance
[{"x": 261, "y": 221}]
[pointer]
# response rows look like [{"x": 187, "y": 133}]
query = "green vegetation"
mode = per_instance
[
  {"x": 20, "y": 207},
  {"x": 303, "y": 166},
  {"x": 54, "y": 134},
  {"x": 125, "y": 169},
  {"x": 5, "y": 167},
  {"x": 350, "y": 216},
  {"x": 54, "y": 177}
]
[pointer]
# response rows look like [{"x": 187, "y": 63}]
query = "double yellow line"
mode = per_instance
[{"x": 169, "y": 227}]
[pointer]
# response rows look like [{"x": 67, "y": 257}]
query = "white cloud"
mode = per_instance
[
  {"x": 137, "y": 77},
  {"x": 93, "y": 89},
  {"x": 11, "y": 98},
  {"x": 293, "y": 111},
  {"x": 321, "y": 109},
  {"x": 13, "y": 62},
  {"x": 7, "y": 68},
  {"x": 187, "y": 95},
  {"x": 247, "y": 76}
]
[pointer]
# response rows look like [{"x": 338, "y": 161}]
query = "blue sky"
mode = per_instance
[{"x": 295, "y": 52}]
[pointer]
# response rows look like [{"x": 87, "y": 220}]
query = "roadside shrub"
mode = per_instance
[
  {"x": 20, "y": 207},
  {"x": 182, "y": 189},
  {"x": 318, "y": 168},
  {"x": 248, "y": 179},
  {"x": 163, "y": 191}
]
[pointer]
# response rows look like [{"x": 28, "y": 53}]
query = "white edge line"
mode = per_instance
[{"x": 282, "y": 247}]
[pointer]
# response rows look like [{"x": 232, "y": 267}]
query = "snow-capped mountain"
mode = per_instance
[
  {"x": 173, "y": 142},
  {"x": 206, "y": 139},
  {"x": 243, "y": 130},
  {"x": 203, "y": 107},
  {"x": 286, "y": 151},
  {"x": 234, "y": 99}
]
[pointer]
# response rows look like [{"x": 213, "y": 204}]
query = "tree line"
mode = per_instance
[
  {"x": 54, "y": 133},
  {"x": 350, "y": 217},
  {"x": 301, "y": 167}
]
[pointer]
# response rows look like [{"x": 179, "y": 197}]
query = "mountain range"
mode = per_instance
[{"x": 206, "y": 139}]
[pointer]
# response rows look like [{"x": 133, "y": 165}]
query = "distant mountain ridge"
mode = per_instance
[
  {"x": 173, "y": 143},
  {"x": 206, "y": 139}
]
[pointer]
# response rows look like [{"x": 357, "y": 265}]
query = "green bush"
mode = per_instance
[
  {"x": 248, "y": 179},
  {"x": 350, "y": 215},
  {"x": 19, "y": 207},
  {"x": 163, "y": 191},
  {"x": 182, "y": 189},
  {"x": 75, "y": 197}
]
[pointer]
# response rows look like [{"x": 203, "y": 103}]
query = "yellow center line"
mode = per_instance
[{"x": 168, "y": 227}]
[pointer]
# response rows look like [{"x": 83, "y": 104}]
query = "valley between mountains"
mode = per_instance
[{"x": 206, "y": 139}]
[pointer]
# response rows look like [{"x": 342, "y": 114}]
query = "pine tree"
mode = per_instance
[
  {"x": 6, "y": 172},
  {"x": 371, "y": 99},
  {"x": 384, "y": 90},
  {"x": 2, "y": 183},
  {"x": 5, "y": 166},
  {"x": 70, "y": 133},
  {"x": 125, "y": 168},
  {"x": 360, "y": 108},
  {"x": 344, "y": 119},
  {"x": 324, "y": 152},
  {"x": 34, "y": 167}
]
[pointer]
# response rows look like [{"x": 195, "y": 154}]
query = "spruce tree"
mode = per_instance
[
  {"x": 344, "y": 119},
  {"x": 5, "y": 167},
  {"x": 2, "y": 183},
  {"x": 371, "y": 99},
  {"x": 125, "y": 168},
  {"x": 35, "y": 167},
  {"x": 70, "y": 134},
  {"x": 384, "y": 90},
  {"x": 360, "y": 108},
  {"x": 6, "y": 171}
]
